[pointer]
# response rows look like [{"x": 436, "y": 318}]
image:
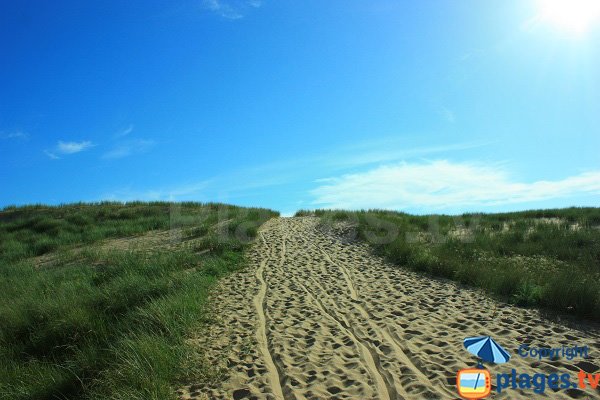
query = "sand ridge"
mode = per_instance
[{"x": 316, "y": 317}]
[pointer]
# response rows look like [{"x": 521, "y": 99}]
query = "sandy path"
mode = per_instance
[{"x": 316, "y": 318}]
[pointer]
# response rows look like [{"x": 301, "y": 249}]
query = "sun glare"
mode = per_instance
[{"x": 576, "y": 16}]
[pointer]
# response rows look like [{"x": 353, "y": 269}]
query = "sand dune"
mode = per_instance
[{"x": 314, "y": 317}]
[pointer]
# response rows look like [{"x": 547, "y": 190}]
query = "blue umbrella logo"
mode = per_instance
[{"x": 486, "y": 349}]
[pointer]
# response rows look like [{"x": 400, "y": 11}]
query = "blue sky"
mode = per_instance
[{"x": 423, "y": 106}]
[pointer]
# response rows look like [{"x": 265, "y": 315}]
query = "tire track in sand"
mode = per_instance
[
  {"x": 383, "y": 380},
  {"x": 274, "y": 375},
  {"x": 382, "y": 332},
  {"x": 383, "y": 386}
]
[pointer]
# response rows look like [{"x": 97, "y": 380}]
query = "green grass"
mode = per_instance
[
  {"x": 102, "y": 324},
  {"x": 544, "y": 258}
]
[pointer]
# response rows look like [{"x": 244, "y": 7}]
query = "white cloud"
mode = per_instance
[
  {"x": 231, "y": 9},
  {"x": 14, "y": 135},
  {"x": 51, "y": 155},
  {"x": 250, "y": 180},
  {"x": 124, "y": 132},
  {"x": 73, "y": 147},
  {"x": 377, "y": 153},
  {"x": 188, "y": 191},
  {"x": 66, "y": 148},
  {"x": 440, "y": 185},
  {"x": 223, "y": 9},
  {"x": 128, "y": 148}
]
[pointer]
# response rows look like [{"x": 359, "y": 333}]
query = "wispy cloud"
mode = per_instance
[
  {"x": 258, "y": 179},
  {"x": 223, "y": 187},
  {"x": 73, "y": 147},
  {"x": 443, "y": 185},
  {"x": 51, "y": 155},
  {"x": 231, "y": 9},
  {"x": 14, "y": 135},
  {"x": 124, "y": 132},
  {"x": 129, "y": 147},
  {"x": 172, "y": 193},
  {"x": 386, "y": 151},
  {"x": 67, "y": 148}
]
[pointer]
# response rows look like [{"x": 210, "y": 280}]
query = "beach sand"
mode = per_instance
[{"x": 317, "y": 317}]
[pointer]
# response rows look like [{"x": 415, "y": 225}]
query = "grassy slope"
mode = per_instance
[
  {"x": 109, "y": 324},
  {"x": 547, "y": 258}
]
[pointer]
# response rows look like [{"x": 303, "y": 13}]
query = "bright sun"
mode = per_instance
[{"x": 575, "y": 16}]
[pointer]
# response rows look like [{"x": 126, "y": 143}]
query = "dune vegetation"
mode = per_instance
[
  {"x": 97, "y": 300},
  {"x": 545, "y": 258}
]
